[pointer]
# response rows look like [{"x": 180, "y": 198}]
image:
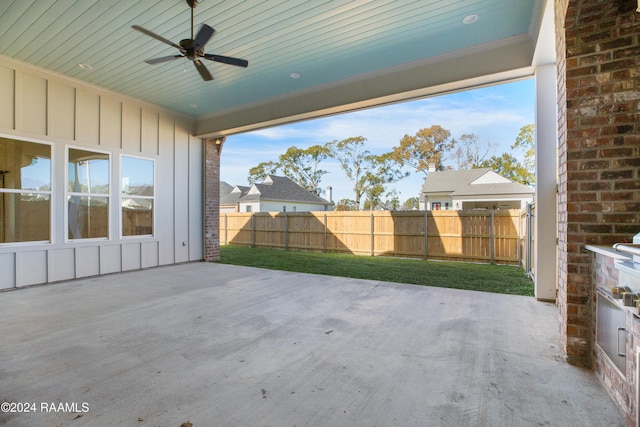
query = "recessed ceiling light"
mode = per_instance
[
  {"x": 193, "y": 105},
  {"x": 470, "y": 19},
  {"x": 85, "y": 67},
  {"x": 294, "y": 75}
]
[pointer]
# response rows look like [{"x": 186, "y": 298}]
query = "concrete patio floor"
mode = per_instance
[{"x": 221, "y": 345}]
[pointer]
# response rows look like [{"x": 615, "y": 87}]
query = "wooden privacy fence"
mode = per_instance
[{"x": 487, "y": 236}]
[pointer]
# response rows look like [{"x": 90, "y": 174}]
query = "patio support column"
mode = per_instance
[
  {"x": 545, "y": 263},
  {"x": 212, "y": 152}
]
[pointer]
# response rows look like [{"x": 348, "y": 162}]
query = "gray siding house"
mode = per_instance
[
  {"x": 472, "y": 189},
  {"x": 274, "y": 194}
]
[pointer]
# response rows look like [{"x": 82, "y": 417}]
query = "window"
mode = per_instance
[
  {"x": 435, "y": 206},
  {"x": 248, "y": 208},
  {"x": 284, "y": 209},
  {"x": 25, "y": 191},
  {"x": 138, "y": 193},
  {"x": 87, "y": 194}
]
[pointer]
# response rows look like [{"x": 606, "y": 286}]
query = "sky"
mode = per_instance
[{"x": 495, "y": 114}]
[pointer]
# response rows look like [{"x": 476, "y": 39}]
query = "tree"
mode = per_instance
[
  {"x": 509, "y": 167},
  {"x": 428, "y": 145},
  {"x": 470, "y": 153},
  {"x": 525, "y": 141},
  {"x": 346, "y": 205},
  {"x": 363, "y": 169},
  {"x": 393, "y": 201},
  {"x": 411, "y": 203},
  {"x": 302, "y": 166},
  {"x": 374, "y": 196},
  {"x": 260, "y": 172}
]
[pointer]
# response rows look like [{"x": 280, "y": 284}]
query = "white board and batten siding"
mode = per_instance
[{"x": 39, "y": 106}]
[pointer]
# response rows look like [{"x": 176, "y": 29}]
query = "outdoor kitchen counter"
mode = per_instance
[
  {"x": 608, "y": 251},
  {"x": 616, "y": 328},
  {"x": 623, "y": 263}
]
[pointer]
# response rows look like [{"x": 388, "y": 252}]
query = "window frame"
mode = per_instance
[
  {"x": 153, "y": 198},
  {"x": 50, "y": 192},
  {"x": 68, "y": 193}
]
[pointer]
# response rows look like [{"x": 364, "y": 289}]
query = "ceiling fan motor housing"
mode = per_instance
[{"x": 189, "y": 47}]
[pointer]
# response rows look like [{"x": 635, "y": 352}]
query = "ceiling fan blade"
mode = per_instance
[
  {"x": 157, "y": 37},
  {"x": 203, "y": 36},
  {"x": 162, "y": 59},
  {"x": 227, "y": 60},
  {"x": 206, "y": 75}
]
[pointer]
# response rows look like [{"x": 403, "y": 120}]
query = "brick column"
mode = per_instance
[
  {"x": 599, "y": 150},
  {"x": 212, "y": 152}
]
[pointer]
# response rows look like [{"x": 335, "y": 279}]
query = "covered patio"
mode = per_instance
[{"x": 222, "y": 345}]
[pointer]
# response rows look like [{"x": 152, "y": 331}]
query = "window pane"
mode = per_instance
[
  {"x": 88, "y": 217},
  {"x": 137, "y": 176},
  {"x": 137, "y": 217},
  {"x": 88, "y": 172},
  {"x": 24, "y": 217},
  {"x": 25, "y": 165}
]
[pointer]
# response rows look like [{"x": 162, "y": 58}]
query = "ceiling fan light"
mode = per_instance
[
  {"x": 294, "y": 75},
  {"x": 85, "y": 67}
]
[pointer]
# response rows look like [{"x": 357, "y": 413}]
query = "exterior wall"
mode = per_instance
[
  {"x": 275, "y": 206},
  {"x": 253, "y": 207},
  {"x": 599, "y": 150},
  {"x": 466, "y": 204},
  {"x": 46, "y": 107},
  {"x": 426, "y": 201},
  {"x": 513, "y": 202}
]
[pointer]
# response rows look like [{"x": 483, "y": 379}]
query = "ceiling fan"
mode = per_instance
[{"x": 193, "y": 48}]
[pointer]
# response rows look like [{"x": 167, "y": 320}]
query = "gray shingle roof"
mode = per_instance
[
  {"x": 447, "y": 181},
  {"x": 225, "y": 188},
  {"x": 233, "y": 195},
  {"x": 282, "y": 189},
  {"x": 459, "y": 183}
]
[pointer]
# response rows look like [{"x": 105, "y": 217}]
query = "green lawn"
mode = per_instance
[{"x": 459, "y": 275}]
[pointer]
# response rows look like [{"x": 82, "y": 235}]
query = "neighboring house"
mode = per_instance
[
  {"x": 472, "y": 189},
  {"x": 274, "y": 194},
  {"x": 230, "y": 196}
]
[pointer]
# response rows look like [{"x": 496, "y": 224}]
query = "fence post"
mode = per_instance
[
  {"x": 527, "y": 244},
  {"x": 225, "y": 229},
  {"x": 491, "y": 238},
  {"x": 518, "y": 248},
  {"x": 426, "y": 236},
  {"x": 286, "y": 231},
  {"x": 372, "y": 237},
  {"x": 325, "y": 232},
  {"x": 253, "y": 230}
]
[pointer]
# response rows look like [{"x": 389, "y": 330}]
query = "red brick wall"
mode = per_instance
[
  {"x": 212, "y": 153},
  {"x": 599, "y": 149}
]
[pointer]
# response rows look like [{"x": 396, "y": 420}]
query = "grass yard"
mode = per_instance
[{"x": 459, "y": 275}]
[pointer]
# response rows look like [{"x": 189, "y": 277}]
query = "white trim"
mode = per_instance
[
  {"x": 67, "y": 193},
  {"x": 49, "y": 193},
  {"x": 152, "y": 198}
]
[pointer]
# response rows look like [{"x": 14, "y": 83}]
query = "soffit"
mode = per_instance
[{"x": 347, "y": 53}]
